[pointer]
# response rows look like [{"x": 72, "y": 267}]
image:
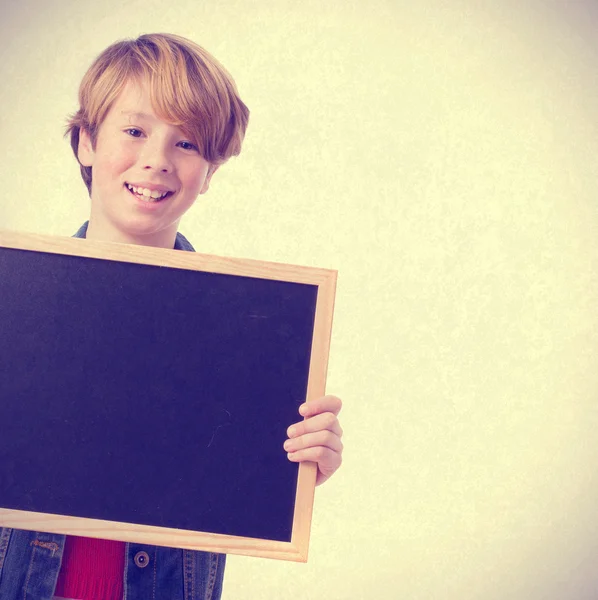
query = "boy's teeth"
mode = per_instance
[{"x": 147, "y": 193}]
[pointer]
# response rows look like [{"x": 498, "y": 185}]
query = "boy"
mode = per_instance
[{"x": 158, "y": 117}]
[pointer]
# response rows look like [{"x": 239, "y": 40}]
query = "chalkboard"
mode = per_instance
[{"x": 145, "y": 394}]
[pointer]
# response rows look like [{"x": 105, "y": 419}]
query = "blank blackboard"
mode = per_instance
[{"x": 145, "y": 393}]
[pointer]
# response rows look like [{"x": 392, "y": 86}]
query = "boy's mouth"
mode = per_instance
[{"x": 146, "y": 194}]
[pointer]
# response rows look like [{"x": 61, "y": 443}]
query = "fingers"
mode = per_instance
[
  {"x": 325, "y": 421},
  {"x": 318, "y": 437},
  {"x": 328, "y": 460},
  {"x": 331, "y": 404},
  {"x": 321, "y": 439}
]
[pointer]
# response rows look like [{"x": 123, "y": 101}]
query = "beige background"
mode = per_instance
[{"x": 442, "y": 157}]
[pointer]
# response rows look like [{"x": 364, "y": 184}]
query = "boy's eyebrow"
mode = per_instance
[
  {"x": 135, "y": 115},
  {"x": 138, "y": 116}
]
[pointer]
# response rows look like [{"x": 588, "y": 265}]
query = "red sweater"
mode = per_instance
[{"x": 91, "y": 569}]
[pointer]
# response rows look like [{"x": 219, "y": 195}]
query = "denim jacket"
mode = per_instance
[{"x": 30, "y": 560}]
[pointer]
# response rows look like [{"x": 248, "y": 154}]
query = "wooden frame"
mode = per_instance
[{"x": 297, "y": 548}]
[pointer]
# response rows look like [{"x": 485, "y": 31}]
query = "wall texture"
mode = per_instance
[{"x": 442, "y": 157}]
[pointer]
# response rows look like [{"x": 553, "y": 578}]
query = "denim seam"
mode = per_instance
[
  {"x": 35, "y": 551},
  {"x": 212, "y": 575},
  {"x": 4, "y": 541},
  {"x": 155, "y": 575},
  {"x": 48, "y": 545},
  {"x": 126, "y": 571},
  {"x": 188, "y": 575}
]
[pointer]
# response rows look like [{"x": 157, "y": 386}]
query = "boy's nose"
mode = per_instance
[{"x": 156, "y": 157}]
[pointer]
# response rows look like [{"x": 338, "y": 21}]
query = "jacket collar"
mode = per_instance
[{"x": 180, "y": 242}]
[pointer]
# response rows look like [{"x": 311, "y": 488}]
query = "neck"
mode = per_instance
[{"x": 97, "y": 230}]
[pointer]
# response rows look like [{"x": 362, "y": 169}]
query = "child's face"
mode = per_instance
[{"x": 135, "y": 148}]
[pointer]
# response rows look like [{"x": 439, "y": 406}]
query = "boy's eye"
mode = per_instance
[
  {"x": 133, "y": 132},
  {"x": 187, "y": 146}
]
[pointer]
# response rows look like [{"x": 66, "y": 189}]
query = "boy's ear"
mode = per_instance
[
  {"x": 206, "y": 184},
  {"x": 85, "y": 151}
]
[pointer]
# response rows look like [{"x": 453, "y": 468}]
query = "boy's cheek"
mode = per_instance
[{"x": 116, "y": 166}]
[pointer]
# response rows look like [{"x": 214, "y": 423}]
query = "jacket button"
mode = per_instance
[{"x": 141, "y": 559}]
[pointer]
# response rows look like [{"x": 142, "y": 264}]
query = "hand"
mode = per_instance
[{"x": 318, "y": 437}]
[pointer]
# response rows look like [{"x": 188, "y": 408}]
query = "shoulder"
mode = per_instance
[
  {"x": 82, "y": 231},
  {"x": 182, "y": 243}
]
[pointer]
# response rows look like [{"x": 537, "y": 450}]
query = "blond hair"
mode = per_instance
[{"x": 189, "y": 88}]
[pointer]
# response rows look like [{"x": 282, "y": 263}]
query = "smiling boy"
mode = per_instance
[
  {"x": 158, "y": 116},
  {"x": 147, "y": 173}
]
